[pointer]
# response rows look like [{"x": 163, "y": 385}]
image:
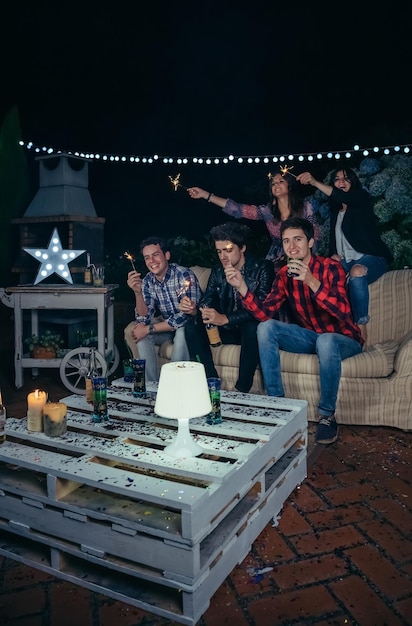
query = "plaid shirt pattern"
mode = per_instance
[
  {"x": 162, "y": 296},
  {"x": 325, "y": 311}
]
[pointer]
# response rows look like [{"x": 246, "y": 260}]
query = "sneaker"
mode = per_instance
[{"x": 327, "y": 431}]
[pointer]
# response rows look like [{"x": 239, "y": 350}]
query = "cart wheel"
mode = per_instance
[
  {"x": 113, "y": 363},
  {"x": 74, "y": 367}
]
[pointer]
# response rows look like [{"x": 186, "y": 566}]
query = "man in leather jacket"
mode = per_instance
[{"x": 221, "y": 305}]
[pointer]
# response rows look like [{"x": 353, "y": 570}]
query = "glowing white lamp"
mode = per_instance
[{"x": 183, "y": 394}]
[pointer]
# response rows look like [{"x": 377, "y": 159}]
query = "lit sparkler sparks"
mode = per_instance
[
  {"x": 130, "y": 258},
  {"x": 182, "y": 291},
  {"x": 176, "y": 182},
  {"x": 285, "y": 169}
]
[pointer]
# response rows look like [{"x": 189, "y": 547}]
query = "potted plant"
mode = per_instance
[{"x": 46, "y": 346}]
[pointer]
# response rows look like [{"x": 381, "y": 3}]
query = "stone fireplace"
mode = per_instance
[{"x": 62, "y": 201}]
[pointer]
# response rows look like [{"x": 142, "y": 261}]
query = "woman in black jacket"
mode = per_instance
[{"x": 354, "y": 237}]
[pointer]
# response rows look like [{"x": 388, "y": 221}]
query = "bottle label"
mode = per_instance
[
  {"x": 214, "y": 336},
  {"x": 89, "y": 391},
  {"x": 215, "y": 416},
  {"x": 139, "y": 377},
  {"x": 100, "y": 412}
]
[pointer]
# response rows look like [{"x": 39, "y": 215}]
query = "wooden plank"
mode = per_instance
[
  {"x": 158, "y": 480},
  {"x": 161, "y": 533},
  {"x": 171, "y": 597}
]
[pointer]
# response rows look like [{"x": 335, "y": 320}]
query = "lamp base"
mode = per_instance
[{"x": 183, "y": 446}]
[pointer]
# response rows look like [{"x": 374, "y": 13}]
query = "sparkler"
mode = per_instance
[
  {"x": 183, "y": 289},
  {"x": 285, "y": 169},
  {"x": 130, "y": 258},
  {"x": 176, "y": 182}
]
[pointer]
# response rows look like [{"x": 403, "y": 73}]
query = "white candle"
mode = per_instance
[{"x": 35, "y": 403}]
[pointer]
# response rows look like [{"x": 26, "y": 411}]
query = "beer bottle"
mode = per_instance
[
  {"x": 91, "y": 373},
  {"x": 88, "y": 278},
  {"x": 214, "y": 335}
]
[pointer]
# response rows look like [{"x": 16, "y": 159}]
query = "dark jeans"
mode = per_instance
[{"x": 243, "y": 335}]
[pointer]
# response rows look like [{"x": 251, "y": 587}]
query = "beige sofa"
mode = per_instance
[{"x": 376, "y": 385}]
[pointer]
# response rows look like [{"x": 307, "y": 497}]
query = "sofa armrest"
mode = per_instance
[{"x": 403, "y": 358}]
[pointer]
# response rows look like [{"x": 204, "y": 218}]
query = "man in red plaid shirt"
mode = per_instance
[{"x": 320, "y": 319}]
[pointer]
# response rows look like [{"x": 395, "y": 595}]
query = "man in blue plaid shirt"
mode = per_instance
[{"x": 160, "y": 291}]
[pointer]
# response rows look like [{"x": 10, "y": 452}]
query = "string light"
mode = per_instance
[{"x": 222, "y": 159}]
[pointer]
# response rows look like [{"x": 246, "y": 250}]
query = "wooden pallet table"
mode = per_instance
[{"x": 105, "y": 507}]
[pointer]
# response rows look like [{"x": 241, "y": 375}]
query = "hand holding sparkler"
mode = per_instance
[
  {"x": 134, "y": 279},
  {"x": 306, "y": 178},
  {"x": 186, "y": 305}
]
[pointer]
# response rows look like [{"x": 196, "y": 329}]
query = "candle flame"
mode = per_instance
[{"x": 1, "y": 399}]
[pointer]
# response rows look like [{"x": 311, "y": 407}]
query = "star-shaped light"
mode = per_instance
[{"x": 54, "y": 260}]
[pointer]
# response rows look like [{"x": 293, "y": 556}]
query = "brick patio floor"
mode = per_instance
[{"x": 340, "y": 554}]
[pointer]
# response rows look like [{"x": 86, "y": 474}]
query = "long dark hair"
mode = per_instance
[
  {"x": 355, "y": 183},
  {"x": 296, "y": 200}
]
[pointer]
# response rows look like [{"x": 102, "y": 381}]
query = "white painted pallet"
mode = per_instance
[{"x": 104, "y": 503}]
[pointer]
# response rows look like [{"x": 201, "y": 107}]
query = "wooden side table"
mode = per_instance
[{"x": 54, "y": 297}]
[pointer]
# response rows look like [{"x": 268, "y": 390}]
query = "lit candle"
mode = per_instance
[
  {"x": 35, "y": 403},
  {"x": 55, "y": 419}
]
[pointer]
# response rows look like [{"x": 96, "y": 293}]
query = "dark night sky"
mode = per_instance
[{"x": 201, "y": 78}]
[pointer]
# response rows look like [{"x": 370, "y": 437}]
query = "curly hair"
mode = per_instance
[{"x": 236, "y": 233}]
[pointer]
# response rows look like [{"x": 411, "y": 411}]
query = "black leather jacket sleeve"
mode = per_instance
[{"x": 258, "y": 274}]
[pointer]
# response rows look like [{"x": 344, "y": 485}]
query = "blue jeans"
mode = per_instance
[
  {"x": 147, "y": 350},
  {"x": 331, "y": 348},
  {"x": 358, "y": 285}
]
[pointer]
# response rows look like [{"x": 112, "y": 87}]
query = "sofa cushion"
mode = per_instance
[
  {"x": 225, "y": 355},
  {"x": 202, "y": 275},
  {"x": 375, "y": 362}
]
